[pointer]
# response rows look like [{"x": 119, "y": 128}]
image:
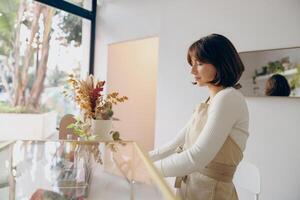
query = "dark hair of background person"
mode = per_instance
[
  {"x": 277, "y": 85},
  {"x": 217, "y": 50}
]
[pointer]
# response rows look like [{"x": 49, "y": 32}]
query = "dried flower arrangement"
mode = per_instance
[
  {"x": 93, "y": 104},
  {"x": 90, "y": 100}
]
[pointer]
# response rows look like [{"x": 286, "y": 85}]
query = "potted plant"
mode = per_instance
[
  {"x": 295, "y": 81},
  {"x": 96, "y": 107}
]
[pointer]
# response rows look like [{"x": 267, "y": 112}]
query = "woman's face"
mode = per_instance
[{"x": 203, "y": 73}]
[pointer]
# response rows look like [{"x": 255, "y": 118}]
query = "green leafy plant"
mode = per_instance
[
  {"x": 295, "y": 80},
  {"x": 7, "y": 108},
  {"x": 80, "y": 128},
  {"x": 277, "y": 66},
  {"x": 115, "y": 135}
]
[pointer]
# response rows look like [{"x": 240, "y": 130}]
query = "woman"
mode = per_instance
[
  {"x": 277, "y": 85},
  {"x": 206, "y": 152}
]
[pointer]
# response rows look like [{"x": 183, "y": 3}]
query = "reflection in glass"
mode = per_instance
[
  {"x": 261, "y": 65},
  {"x": 80, "y": 170}
]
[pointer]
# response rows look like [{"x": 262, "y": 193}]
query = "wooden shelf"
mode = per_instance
[{"x": 285, "y": 73}]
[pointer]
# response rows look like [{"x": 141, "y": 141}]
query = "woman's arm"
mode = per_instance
[
  {"x": 169, "y": 148},
  {"x": 223, "y": 114}
]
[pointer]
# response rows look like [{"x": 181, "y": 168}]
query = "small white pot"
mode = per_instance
[{"x": 101, "y": 129}]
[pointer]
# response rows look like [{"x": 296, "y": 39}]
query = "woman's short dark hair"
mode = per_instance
[
  {"x": 277, "y": 85},
  {"x": 217, "y": 50}
]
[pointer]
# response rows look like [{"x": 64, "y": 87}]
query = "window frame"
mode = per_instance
[{"x": 81, "y": 12}]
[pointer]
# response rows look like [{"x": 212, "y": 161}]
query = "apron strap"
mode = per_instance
[
  {"x": 207, "y": 100},
  {"x": 219, "y": 171}
]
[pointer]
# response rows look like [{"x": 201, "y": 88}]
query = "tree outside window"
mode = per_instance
[{"x": 39, "y": 47}]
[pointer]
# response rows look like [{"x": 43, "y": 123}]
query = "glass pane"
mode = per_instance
[
  {"x": 86, "y": 4},
  {"x": 79, "y": 170},
  {"x": 39, "y": 47}
]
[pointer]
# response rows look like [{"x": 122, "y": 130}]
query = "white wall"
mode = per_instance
[
  {"x": 273, "y": 145},
  {"x": 251, "y": 25},
  {"x": 119, "y": 21}
]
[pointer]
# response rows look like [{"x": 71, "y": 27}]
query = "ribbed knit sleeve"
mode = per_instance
[{"x": 226, "y": 109}]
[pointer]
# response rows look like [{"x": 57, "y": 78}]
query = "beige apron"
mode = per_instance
[{"x": 215, "y": 181}]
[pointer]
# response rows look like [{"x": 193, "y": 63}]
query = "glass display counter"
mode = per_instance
[{"x": 34, "y": 170}]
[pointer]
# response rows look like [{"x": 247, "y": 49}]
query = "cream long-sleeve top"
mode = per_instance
[{"x": 227, "y": 116}]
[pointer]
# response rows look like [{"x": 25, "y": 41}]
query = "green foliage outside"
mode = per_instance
[
  {"x": 24, "y": 88},
  {"x": 6, "y": 108}
]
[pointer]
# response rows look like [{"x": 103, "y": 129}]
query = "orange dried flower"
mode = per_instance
[{"x": 91, "y": 101}]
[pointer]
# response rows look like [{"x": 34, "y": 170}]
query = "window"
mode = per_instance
[
  {"x": 87, "y": 4},
  {"x": 41, "y": 42}
]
